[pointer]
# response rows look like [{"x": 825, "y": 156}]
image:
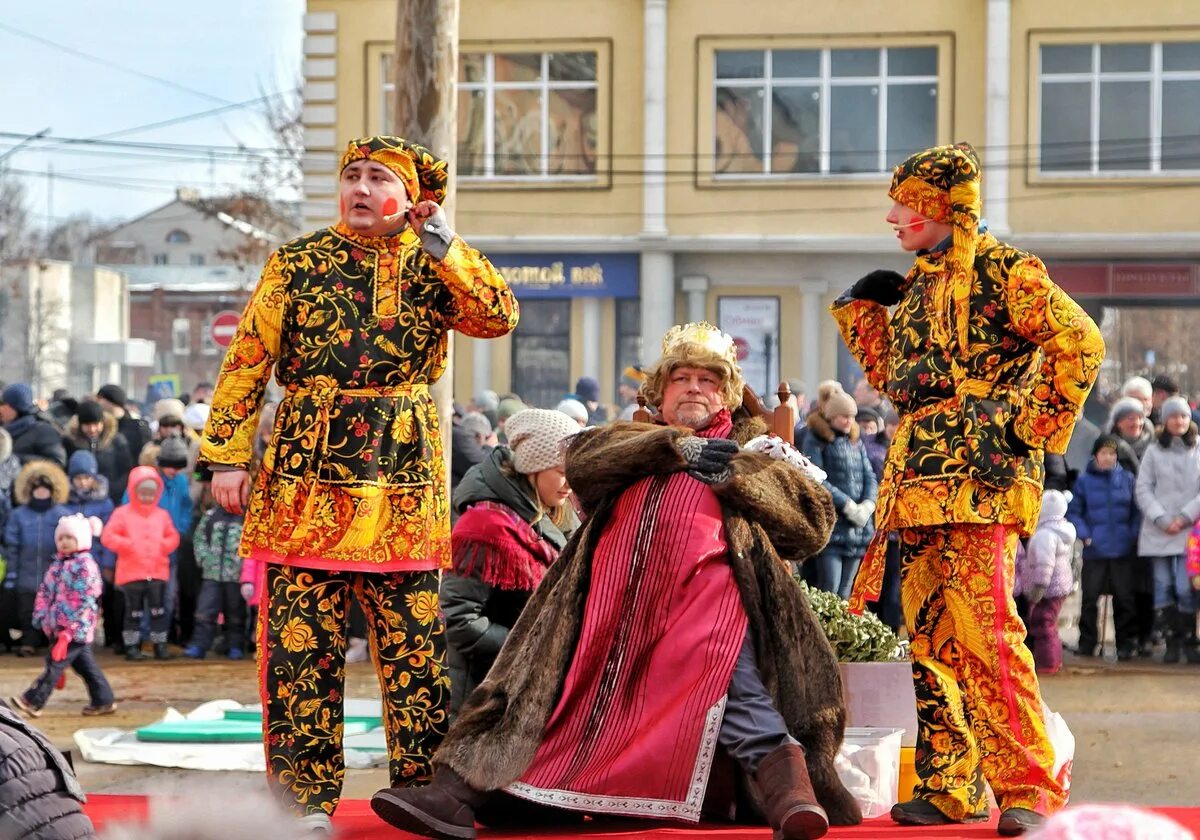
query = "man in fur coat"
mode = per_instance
[{"x": 668, "y": 648}]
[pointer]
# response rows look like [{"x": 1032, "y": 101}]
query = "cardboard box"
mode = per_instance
[{"x": 880, "y": 694}]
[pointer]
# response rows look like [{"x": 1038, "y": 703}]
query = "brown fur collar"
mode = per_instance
[
  {"x": 819, "y": 426},
  {"x": 23, "y": 486},
  {"x": 108, "y": 432}
]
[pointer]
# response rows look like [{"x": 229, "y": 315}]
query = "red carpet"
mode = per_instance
[{"x": 355, "y": 821}]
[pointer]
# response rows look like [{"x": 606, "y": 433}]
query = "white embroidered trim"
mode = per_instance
[{"x": 632, "y": 806}]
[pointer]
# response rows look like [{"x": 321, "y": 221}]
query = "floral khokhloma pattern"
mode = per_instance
[
  {"x": 355, "y": 329},
  {"x": 979, "y": 712},
  {"x": 1032, "y": 358},
  {"x": 302, "y": 674}
]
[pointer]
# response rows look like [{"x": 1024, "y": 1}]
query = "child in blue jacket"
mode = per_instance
[{"x": 1105, "y": 514}]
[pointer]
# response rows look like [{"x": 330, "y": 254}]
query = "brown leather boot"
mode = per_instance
[
  {"x": 444, "y": 808},
  {"x": 788, "y": 799}
]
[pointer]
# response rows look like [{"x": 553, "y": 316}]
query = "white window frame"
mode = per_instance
[
  {"x": 1155, "y": 75},
  {"x": 489, "y": 85},
  {"x": 181, "y": 336},
  {"x": 825, "y": 83}
]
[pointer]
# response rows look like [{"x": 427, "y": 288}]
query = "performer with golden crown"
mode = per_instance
[{"x": 667, "y": 655}]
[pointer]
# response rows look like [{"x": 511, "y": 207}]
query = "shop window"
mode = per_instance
[
  {"x": 541, "y": 352},
  {"x": 522, "y": 115},
  {"x": 822, "y": 111},
  {"x": 629, "y": 333},
  {"x": 1131, "y": 108}
]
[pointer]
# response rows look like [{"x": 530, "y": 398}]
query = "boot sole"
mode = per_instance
[
  {"x": 1015, "y": 828},
  {"x": 906, "y": 818},
  {"x": 400, "y": 814},
  {"x": 807, "y": 822}
]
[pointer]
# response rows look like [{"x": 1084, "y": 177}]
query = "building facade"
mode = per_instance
[{"x": 636, "y": 163}]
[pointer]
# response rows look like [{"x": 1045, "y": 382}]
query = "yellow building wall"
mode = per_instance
[
  {"x": 823, "y": 205},
  {"x": 1049, "y": 204}
]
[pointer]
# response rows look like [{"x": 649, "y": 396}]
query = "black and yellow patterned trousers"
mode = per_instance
[{"x": 302, "y": 673}]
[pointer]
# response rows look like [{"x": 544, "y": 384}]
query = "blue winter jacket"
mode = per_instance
[
  {"x": 29, "y": 545},
  {"x": 850, "y": 478},
  {"x": 97, "y": 503},
  {"x": 1104, "y": 510}
]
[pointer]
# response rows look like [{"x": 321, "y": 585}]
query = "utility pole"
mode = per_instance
[{"x": 425, "y": 112}]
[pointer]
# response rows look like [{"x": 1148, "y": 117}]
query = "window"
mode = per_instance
[
  {"x": 195, "y": 259},
  {"x": 178, "y": 237},
  {"x": 822, "y": 111},
  {"x": 629, "y": 333},
  {"x": 1120, "y": 108},
  {"x": 522, "y": 115},
  {"x": 160, "y": 259},
  {"x": 181, "y": 336},
  {"x": 541, "y": 352}
]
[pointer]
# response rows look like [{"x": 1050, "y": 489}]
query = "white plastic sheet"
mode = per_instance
[{"x": 869, "y": 766}]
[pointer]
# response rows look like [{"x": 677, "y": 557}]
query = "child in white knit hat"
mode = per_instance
[
  {"x": 515, "y": 515},
  {"x": 66, "y": 609}
]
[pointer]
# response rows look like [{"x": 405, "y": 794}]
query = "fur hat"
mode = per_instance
[
  {"x": 839, "y": 404},
  {"x": 536, "y": 438},
  {"x": 942, "y": 184},
  {"x": 18, "y": 397},
  {"x": 89, "y": 412},
  {"x": 1175, "y": 406},
  {"x": 168, "y": 407},
  {"x": 195, "y": 416},
  {"x": 81, "y": 527},
  {"x": 173, "y": 453},
  {"x": 697, "y": 345},
  {"x": 588, "y": 389},
  {"x": 424, "y": 174},
  {"x": 574, "y": 409}
]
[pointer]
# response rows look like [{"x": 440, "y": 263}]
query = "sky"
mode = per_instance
[{"x": 203, "y": 56}]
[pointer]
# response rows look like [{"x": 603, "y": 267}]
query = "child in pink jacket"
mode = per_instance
[
  {"x": 142, "y": 536},
  {"x": 1193, "y": 556}
]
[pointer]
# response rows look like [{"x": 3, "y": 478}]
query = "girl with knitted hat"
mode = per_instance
[
  {"x": 65, "y": 609},
  {"x": 515, "y": 515}
]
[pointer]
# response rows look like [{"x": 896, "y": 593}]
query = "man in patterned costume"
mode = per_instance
[
  {"x": 988, "y": 364},
  {"x": 667, "y": 653},
  {"x": 350, "y": 499}
]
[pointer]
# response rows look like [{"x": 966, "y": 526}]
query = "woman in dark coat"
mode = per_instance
[
  {"x": 514, "y": 518},
  {"x": 833, "y": 445},
  {"x": 94, "y": 431}
]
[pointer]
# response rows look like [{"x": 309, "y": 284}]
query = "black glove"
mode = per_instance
[
  {"x": 707, "y": 459},
  {"x": 881, "y": 286}
]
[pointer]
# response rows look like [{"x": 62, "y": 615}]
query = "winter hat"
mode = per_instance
[
  {"x": 476, "y": 423},
  {"x": 1126, "y": 406},
  {"x": 164, "y": 408},
  {"x": 82, "y": 463},
  {"x": 81, "y": 527},
  {"x": 1116, "y": 822},
  {"x": 509, "y": 407},
  {"x": 18, "y": 397},
  {"x": 1137, "y": 386},
  {"x": 424, "y": 174},
  {"x": 536, "y": 437},
  {"x": 633, "y": 376},
  {"x": 866, "y": 413},
  {"x": 89, "y": 412},
  {"x": 588, "y": 389},
  {"x": 1105, "y": 442},
  {"x": 827, "y": 389},
  {"x": 1054, "y": 505},
  {"x": 574, "y": 409},
  {"x": 1173, "y": 406},
  {"x": 839, "y": 404},
  {"x": 115, "y": 394},
  {"x": 487, "y": 400},
  {"x": 942, "y": 184},
  {"x": 1165, "y": 384},
  {"x": 173, "y": 453},
  {"x": 195, "y": 416}
]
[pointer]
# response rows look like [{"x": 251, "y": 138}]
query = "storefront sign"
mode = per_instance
[
  {"x": 753, "y": 322},
  {"x": 569, "y": 275},
  {"x": 1128, "y": 280}
]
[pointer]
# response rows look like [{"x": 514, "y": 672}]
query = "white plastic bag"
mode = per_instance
[
  {"x": 868, "y": 764},
  {"x": 1063, "y": 743}
]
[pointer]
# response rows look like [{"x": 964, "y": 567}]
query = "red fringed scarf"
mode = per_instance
[{"x": 492, "y": 542}]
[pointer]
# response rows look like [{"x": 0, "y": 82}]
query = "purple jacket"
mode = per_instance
[{"x": 69, "y": 597}]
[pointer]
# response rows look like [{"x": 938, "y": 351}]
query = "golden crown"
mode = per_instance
[{"x": 705, "y": 335}]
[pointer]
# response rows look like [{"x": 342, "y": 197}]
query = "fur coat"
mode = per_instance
[{"x": 773, "y": 514}]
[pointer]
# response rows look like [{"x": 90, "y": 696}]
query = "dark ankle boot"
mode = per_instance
[
  {"x": 444, "y": 808},
  {"x": 924, "y": 812},
  {"x": 1186, "y": 630},
  {"x": 1016, "y": 821},
  {"x": 1168, "y": 621},
  {"x": 133, "y": 653},
  {"x": 787, "y": 793},
  {"x": 160, "y": 651}
]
